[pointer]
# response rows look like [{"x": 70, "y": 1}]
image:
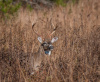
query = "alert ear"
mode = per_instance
[
  {"x": 54, "y": 39},
  {"x": 40, "y": 39}
]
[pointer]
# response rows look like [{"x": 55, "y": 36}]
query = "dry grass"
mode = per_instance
[{"x": 76, "y": 56}]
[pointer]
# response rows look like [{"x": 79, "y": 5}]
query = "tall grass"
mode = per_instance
[{"x": 76, "y": 55}]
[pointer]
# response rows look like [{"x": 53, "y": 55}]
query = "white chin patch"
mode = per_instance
[{"x": 48, "y": 53}]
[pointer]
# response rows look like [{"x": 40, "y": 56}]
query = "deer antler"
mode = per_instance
[
  {"x": 55, "y": 28},
  {"x": 34, "y": 30}
]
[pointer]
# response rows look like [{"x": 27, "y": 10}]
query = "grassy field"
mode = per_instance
[{"x": 76, "y": 55}]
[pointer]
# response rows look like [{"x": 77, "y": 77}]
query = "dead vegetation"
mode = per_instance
[{"x": 76, "y": 55}]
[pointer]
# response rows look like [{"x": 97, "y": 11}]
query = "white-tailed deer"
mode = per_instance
[{"x": 44, "y": 50}]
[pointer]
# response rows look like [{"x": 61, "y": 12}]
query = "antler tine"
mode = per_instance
[
  {"x": 53, "y": 29},
  {"x": 34, "y": 30}
]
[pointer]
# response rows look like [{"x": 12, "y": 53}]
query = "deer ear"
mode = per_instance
[
  {"x": 40, "y": 39},
  {"x": 54, "y": 39}
]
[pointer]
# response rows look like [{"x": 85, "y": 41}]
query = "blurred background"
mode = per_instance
[{"x": 76, "y": 54}]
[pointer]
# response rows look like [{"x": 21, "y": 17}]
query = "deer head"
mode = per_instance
[{"x": 47, "y": 45}]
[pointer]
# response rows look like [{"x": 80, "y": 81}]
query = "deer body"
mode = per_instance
[
  {"x": 45, "y": 50},
  {"x": 36, "y": 59}
]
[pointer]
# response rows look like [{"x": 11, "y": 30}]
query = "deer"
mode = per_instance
[{"x": 45, "y": 49}]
